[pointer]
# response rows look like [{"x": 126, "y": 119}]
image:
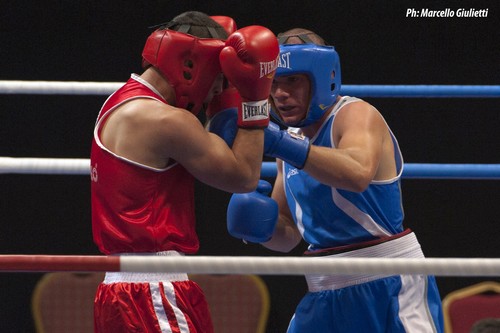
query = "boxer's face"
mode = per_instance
[{"x": 291, "y": 95}]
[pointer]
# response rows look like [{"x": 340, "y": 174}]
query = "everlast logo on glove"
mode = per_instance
[{"x": 255, "y": 110}]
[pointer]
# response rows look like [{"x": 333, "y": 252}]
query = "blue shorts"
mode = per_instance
[{"x": 402, "y": 303}]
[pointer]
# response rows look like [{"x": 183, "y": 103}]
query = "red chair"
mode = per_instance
[
  {"x": 64, "y": 302},
  {"x": 464, "y": 307}
]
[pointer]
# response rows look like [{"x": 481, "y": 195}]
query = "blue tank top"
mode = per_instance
[{"x": 330, "y": 217}]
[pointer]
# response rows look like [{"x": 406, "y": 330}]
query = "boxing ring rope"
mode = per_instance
[
  {"x": 81, "y": 166},
  {"x": 412, "y": 170},
  {"x": 106, "y": 88},
  {"x": 252, "y": 265}
]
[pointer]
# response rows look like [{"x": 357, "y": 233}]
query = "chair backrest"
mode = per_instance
[
  {"x": 64, "y": 302},
  {"x": 238, "y": 303},
  {"x": 464, "y": 307}
]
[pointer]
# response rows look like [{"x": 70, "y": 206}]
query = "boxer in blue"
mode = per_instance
[{"x": 338, "y": 189}]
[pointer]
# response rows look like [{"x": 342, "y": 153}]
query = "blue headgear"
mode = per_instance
[{"x": 318, "y": 62}]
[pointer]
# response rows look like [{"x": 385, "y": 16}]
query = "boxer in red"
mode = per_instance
[{"x": 149, "y": 146}]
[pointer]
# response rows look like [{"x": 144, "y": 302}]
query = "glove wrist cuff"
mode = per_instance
[{"x": 254, "y": 114}]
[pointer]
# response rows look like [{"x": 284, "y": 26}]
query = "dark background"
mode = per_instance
[{"x": 102, "y": 41}]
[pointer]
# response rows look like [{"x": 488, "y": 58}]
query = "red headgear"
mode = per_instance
[{"x": 190, "y": 64}]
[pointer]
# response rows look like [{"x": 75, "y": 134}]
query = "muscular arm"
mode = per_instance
[
  {"x": 363, "y": 152},
  {"x": 207, "y": 157},
  {"x": 233, "y": 170},
  {"x": 286, "y": 236},
  {"x": 154, "y": 134}
]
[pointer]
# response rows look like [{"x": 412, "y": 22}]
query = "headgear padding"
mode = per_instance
[
  {"x": 319, "y": 63},
  {"x": 190, "y": 64}
]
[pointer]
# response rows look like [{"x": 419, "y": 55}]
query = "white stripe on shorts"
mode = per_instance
[
  {"x": 414, "y": 310},
  {"x": 160, "y": 310}
]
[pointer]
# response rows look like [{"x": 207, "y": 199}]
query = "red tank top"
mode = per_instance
[{"x": 136, "y": 208}]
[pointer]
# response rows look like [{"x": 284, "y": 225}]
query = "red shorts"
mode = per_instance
[{"x": 124, "y": 303}]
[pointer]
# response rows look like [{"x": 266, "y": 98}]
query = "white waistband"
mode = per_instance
[
  {"x": 132, "y": 277},
  {"x": 161, "y": 253},
  {"x": 403, "y": 247}
]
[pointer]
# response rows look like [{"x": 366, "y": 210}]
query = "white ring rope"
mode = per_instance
[
  {"x": 58, "y": 87},
  {"x": 301, "y": 266},
  {"x": 51, "y": 166},
  {"x": 253, "y": 265}
]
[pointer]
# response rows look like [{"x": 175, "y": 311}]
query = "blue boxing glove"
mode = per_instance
[
  {"x": 222, "y": 115},
  {"x": 253, "y": 216},
  {"x": 286, "y": 146},
  {"x": 224, "y": 124}
]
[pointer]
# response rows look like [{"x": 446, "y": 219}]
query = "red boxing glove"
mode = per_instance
[
  {"x": 229, "y": 98},
  {"x": 249, "y": 62},
  {"x": 226, "y": 22}
]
